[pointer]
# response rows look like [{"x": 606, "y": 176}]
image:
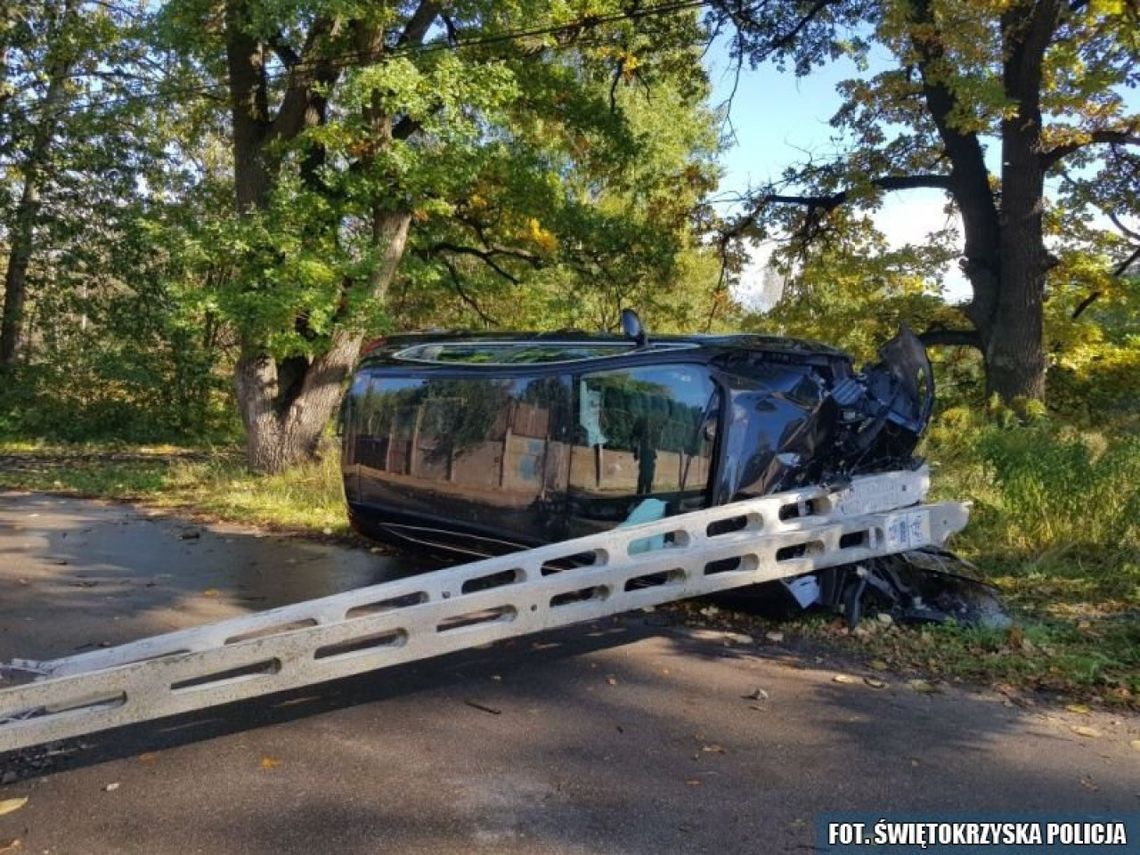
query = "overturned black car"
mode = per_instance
[{"x": 477, "y": 445}]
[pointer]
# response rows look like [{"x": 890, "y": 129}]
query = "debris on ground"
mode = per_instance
[
  {"x": 483, "y": 707},
  {"x": 8, "y": 806}
]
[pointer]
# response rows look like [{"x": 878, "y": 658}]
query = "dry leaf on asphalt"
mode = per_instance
[
  {"x": 875, "y": 683},
  {"x": 844, "y": 678},
  {"x": 270, "y": 762},
  {"x": 12, "y": 805},
  {"x": 1079, "y": 709},
  {"x": 1087, "y": 732}
]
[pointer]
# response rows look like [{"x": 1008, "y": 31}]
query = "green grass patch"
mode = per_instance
[{"x": 206, "y": 482}]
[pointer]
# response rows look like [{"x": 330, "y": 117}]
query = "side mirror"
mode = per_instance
[{"x": 631, "y": 327}]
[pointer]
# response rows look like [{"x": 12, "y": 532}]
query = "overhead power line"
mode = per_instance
[{"x": 356, "y": 59}]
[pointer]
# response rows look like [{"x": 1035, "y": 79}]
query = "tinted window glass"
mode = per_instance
[
  {"x": 483, "y": 451},
  {"x": 642, "y": 433}
]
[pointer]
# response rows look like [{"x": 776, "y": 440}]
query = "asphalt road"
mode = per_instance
[{"x": 622, "y": 736}]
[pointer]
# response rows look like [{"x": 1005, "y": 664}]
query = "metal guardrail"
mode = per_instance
[{"x": 777, "y": 536}]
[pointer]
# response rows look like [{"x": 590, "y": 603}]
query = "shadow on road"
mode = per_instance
[{"x": 618, "y": 736}]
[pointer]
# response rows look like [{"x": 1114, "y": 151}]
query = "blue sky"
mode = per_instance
[{"x": 777, "y": 118}]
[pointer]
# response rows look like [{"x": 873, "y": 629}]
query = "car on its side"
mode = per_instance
[{"x": 480, "y": 444}]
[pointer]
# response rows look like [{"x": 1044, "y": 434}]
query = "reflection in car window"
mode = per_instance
[
  {"x": 640, "y": 433},
  {"x": 486, "y": 439}
]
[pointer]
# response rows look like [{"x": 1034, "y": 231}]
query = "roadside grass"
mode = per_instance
[
  {"x": 1055, "y": 527},
  {"x": 208, "y": 483}
]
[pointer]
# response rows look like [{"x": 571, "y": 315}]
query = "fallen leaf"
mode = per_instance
[
  {"x": 611, "y": 680},
  {"x": 12, "y": 805},
  {"x": 270, "y": 762},
  {"x": 110, "y": 788},
  {"x": 756, "y": 695},
  {"x": 878, "y": 665},
  {"x": 844, "y": 678},
  {"x": 713, "y": 748},
  {"x": 148, "y": 757},
  {"x": 1079, "y": 709},
  {"x": 923, "y": 687},
  {"x": 875, "y": 683},
  {"x": 1087, "y": 732},
  {"x": 1015, "y": 636}
]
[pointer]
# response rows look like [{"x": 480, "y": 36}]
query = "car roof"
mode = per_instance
[{"x": 474, "y": 349}]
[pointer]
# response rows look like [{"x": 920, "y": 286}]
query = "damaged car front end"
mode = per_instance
[{"x": 478, "y": 445}]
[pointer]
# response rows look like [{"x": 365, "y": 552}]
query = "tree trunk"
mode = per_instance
[
  {"x": 24, "y": 221},
  {"x": 1013, "y": 334},
  {"x": 282, "y": 433},
  {"x": 286, "y": 406},
  {"x": 1005, "y": 257}
]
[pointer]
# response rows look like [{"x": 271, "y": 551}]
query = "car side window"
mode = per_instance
[
  {"x": 465, "y": 437},
  {"x": 640, "y": 433}
]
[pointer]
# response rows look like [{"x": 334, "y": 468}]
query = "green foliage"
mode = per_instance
[
  {"x": 1058, "y": 492},
  {"x": 551, "y": 180},
  {"x": 1057, "y": 508}
]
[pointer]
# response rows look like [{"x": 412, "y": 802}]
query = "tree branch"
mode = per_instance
[
  {"x": 938, "y": 336},
  {"x": 834, "y": 200},
  {"x": 457, "y": 282},
  {"x": 301, "y": 105},
  {"x": 1122, "y": 268},
  {"x": 288, "y": 56},
  {"x": 1126, "y": 136},
  {"x": 1119, "y": 270},
  {"x": 971, "y": 178},
  {"x": 418, "y": 25},
  {"x": 486, "y": 256}
]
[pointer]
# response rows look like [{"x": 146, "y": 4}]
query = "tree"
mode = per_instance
[
  {"x": 1037, "y": 81},
  {"x": 482, "y": 133},
  {"x": 46, "y": 35},
  {"x": 96, "y": 160}
]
